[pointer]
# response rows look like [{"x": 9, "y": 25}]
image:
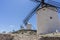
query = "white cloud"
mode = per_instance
[{"x": 11, "y": 26}]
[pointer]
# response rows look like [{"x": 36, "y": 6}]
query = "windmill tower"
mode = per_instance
[
  {"x": 46, "y": 15},
  {"x": 28, "y": 26},
  {"x": 47, "y": 20}
]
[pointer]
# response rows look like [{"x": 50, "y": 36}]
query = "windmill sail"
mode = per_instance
[
  {"x": 42, "y": 2},
  {"x": 30, "y": 14},
  {"x": 36, "y": 0},
  {"x": 54, "y": 3}
]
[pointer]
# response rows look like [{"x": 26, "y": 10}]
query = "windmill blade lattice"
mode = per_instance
[
  {"x": 30, "y": 14},
  {"x": 54, "y": 3}
]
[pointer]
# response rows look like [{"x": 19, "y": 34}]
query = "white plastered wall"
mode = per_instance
[{"x": 47, "y": 20}]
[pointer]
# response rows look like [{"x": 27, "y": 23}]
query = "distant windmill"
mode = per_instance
[{"x": 47, "y": 17}]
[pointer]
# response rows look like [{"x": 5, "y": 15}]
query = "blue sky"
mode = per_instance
[{"x": 12, "y": 13}]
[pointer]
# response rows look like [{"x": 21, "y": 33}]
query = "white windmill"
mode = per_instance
[{"x": 46, "y": 15}]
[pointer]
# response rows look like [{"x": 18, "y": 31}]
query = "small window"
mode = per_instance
[{"x": 50, "y": 17}]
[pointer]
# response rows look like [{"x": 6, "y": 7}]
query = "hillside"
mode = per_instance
[{"x": 29, "y": 35}]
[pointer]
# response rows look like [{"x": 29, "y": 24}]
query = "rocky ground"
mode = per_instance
[
  {"x": 29, "y": 35},
  {"x": 24, "y": 37},
  {"x": 6, "y": 37},
  {"x": 50, "y": 38}
]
